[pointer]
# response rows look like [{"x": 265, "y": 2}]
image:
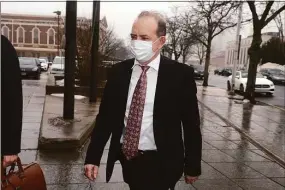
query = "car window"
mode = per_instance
[
  {"x": 42, "y": 60},
  {"x": 59, "y": 60},
  {"x": 245, "y": 75},
  {"x": 275, "y": 71},
  {"x": 198, "y": 67},
  {"x": 27, "y": 61}
]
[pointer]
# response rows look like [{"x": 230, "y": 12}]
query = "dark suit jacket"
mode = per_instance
[
  {"x": 11, "y": 99},
  {"x": 175, "y": 107}
]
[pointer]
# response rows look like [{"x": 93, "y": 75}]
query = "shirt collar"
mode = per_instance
[{"x": 153, "y": 64}]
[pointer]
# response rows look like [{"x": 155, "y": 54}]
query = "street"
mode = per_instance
[{"x": 277, "y": 99}]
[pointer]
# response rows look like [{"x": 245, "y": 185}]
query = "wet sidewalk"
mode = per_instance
[
  {"x": 33, "y": 104},
  {"x": 229, "y": 161},
  {"x": 264, "y": 124}
]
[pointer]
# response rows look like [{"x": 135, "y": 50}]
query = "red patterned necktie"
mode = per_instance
[{"x": 133, "y": 128}]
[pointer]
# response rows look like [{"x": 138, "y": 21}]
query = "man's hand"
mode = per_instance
[
  {"x": 9, "y": 159},
  {"x": 190, "y": 179},
  {"x": 91, "y": 171}
]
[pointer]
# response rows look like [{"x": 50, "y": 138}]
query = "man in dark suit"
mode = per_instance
[
  {"x": 149, "y": 105},
  {"x": 11, "y": 103}
]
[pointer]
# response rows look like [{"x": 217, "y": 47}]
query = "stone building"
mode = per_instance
[
  {"x": 37, "y": 35},
  {"x": 244, "y": 46}
]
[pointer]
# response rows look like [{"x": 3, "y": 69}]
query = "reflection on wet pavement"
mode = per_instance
[
  {"x": 229, "y": 161},
  {"x": 265, "y": 124}
]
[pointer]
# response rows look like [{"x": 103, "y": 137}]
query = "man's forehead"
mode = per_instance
[
  {"x": 145, "y": 23},
  {"x": 145, "y": 20}
]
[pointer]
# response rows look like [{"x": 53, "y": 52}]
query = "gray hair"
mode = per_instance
[{"x": 161, "y": 23}]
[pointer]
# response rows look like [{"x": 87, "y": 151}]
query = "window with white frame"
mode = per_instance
[
  {"x": 20, "y": 34},
  {"x": 36, "y": 35},
  {"x": 51, "y": 36},
  {"x": 5, "y": 31}
]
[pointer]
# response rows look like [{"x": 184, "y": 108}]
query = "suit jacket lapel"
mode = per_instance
[
  {"x": 161, "y": 87},
  {"x": 124, "y": 84}
]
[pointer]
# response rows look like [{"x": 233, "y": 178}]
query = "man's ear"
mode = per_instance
[{"x": 162, "y": 40}]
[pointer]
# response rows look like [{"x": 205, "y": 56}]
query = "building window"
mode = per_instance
[
  {"x": 51, "y": 36},
  {"x": 5, "y": 31},
  {"x": 20, "y": 35},
  {"x": 36, "y": 36}
]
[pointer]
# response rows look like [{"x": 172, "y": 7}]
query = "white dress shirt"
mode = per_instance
[{"x": 146, "y": 141}]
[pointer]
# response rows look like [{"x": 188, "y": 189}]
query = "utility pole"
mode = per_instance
[
  {"x": 58, "y": 13},
  {"x": 94, "y": 51},
  {"x": 232, "y": 92},
  {"x": 70, "y": 52}
]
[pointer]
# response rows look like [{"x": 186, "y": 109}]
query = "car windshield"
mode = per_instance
[
  {"x": 276, "y": 72},
  {"x": 245, "y": 75},
  {"x": 27, "y": 61},
  {"x": 198, "y": 67},
  {"x": 58, "y": 60},
  {"x": 42, "y": 60}
]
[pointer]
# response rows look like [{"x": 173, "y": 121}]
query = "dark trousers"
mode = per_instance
[{"x": 144, "y": 172}]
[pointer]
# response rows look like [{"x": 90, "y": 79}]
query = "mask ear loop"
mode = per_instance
[{"x": 156, "y": 41}]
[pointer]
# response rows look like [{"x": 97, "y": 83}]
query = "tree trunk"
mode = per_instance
[
  {"x": 183, "y": 59},
  {"x": 176, "y": 57},
  {"x": 200, "y": 61},
  {"x": 207, "y": 64},
  {"x": 254, "y": 54}
]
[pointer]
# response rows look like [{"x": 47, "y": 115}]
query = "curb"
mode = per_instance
[
  {"x": 276, "y": 158},
  {"x": 283, "y": 109}
]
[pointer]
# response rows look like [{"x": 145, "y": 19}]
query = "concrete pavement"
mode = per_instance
[
  {"x": 263, "y": 124},
  {"x": 229, "y": 161}
]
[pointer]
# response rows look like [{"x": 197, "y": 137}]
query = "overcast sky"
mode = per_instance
[{"x": 120, "y": 15}]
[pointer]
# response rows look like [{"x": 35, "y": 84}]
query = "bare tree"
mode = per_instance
[
  {"x": 110, "y": 43},
  {"x": 255, "y": 50},
  {"x": 200, "y": 52},
  {"x": 179, "y": 41},
  {"x": 279, "y": 24},
  {"x": 175, "y": 32},
  {"x": 209, "y": 19},
  {"x": 83, "y": 39},
  {"x": 186, "y": 43}
]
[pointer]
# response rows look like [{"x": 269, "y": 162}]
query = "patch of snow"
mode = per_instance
[
  {"x": 76, "y": 97},
  {"x": 61, "y": 82}
]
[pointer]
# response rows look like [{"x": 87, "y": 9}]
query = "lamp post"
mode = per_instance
[
  {"x": 236, "y": 60},
  {"x": 94, "y": 51},
  {"x": 70, "y": 51},
  {"x": 58, "y": 13}
]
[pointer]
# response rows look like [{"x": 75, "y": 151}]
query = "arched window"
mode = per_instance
[
  {"x": 51, "y": 36},
  {"x": 20, "y": 34},
  {"x": 5, "y": 31},
  {"x": 36, "y": 35}
]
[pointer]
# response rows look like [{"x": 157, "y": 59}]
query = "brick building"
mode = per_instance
[{"x": 36, "y": 35}]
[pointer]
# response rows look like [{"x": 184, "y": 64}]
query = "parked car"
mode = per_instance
[
  {"x": 218, "y": 71},
  {"x": 47, "y": 60},
  {"x": 277, "y": 76},
  {"x": 262, "y": 85},
  {"x": 226, "y": 72},
  {"x": 57, "y": 67},
  {"x": 30, "y": 67},
  {"x": 198, "y": 71},
  {"x": 44, "y": 64}
]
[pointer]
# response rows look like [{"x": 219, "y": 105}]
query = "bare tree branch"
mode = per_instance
[
  {"x": 266, "y": 11},
  {"x": 253, "y": 11},
  {"x": 273, "y": 15}
]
